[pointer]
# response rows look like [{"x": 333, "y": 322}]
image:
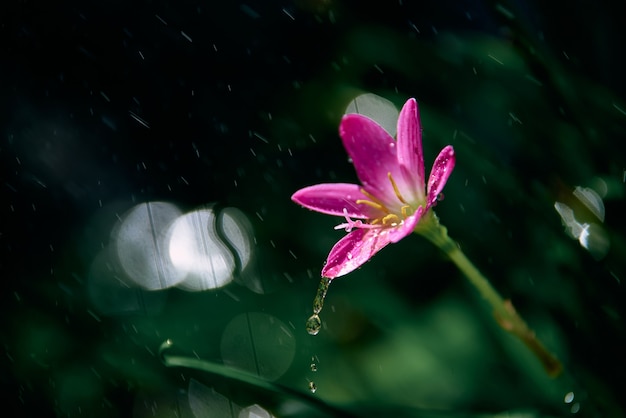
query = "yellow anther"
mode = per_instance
[
  {"x": 392, "y": 218},
  {"x": 405, "y": 211},
  {"x": 373, "y": 202},
  {"x": 395, "y": 189},
  {"x": 373, "y": 205}
]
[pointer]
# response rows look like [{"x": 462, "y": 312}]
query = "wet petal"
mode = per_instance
[
  {"x": 373, "y": 153},
  {"x": 409, "y": 224},
  {"x": 410, "y": 154},
  {"x": 355, "y": 249},
  {"x": 333, "y": 198},
  {"x": 442, "y": 168}
]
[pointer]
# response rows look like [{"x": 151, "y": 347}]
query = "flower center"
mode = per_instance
[{"x": 389, "y": 217}]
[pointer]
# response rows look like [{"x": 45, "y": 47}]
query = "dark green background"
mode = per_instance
[{"x": 531, "y": 96}]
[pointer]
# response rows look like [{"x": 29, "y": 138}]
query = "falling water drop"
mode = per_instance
[
  {"x": 312, "y": 387},
  {"x": 313, "y": 324},
  {"x": 318, "y": 302},
  {"x": 313, "y": 367}
]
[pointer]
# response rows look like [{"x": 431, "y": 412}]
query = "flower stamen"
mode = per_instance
[
  {"x": 350, "y": 224},
  {"x": 395, "y": 189},
  {"x": 373, "y": 205},
  {"x": 391, "y": 219},
  {"x": 373, "y": 202}
]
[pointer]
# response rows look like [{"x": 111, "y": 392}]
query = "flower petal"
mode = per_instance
[
  {"x": 333, "y": 198},
  {"x": 442, "y": 168},
  {"x": 355, "y": 249},
  {"x": 410, "y": 154},
  {"x": 407, "y": 226},
  {"x": 373, "y": 153}
]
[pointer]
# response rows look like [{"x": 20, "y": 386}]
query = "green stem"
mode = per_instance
[{"x": 503, "y": 310}]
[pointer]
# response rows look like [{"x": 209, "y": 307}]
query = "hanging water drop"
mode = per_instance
[
  {"x": 318, "y": 302},
  {"x": 313, "y": 324}
]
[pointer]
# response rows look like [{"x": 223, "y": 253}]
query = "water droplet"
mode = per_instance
[
  {"x": 440, "y": 197},
  {"x": 312, "y": 387},
  {"x": 318, "y": 302},
  {"x": 313, "y": 324},
  {"x": 313, "y": 367},
  {"x": 569, "y": 397},
  {"x": 349, "y": 255}
]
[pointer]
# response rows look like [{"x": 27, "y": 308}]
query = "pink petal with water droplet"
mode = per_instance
[
  {"x": 407, "y": 226},
  {"x": 410, "y": 154},
  {"x": 373, "y": 153},
  {"x": 354, "y": 249},
  {"x": 442, "y": 168},
  {"x": 333, "y": 198}
]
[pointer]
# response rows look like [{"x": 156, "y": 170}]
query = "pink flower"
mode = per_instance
[{"x": 392, "y": 198}]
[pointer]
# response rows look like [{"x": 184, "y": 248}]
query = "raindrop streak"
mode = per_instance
[{"x": 314, "y": 323}]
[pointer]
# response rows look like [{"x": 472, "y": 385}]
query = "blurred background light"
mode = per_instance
[
  {"x": 236, "y": 230},
  {"x": 207, "y": 402},
  {"x": 197, "y": 252},
  {"x": 590, "y": 235},
  {"x": 258, "y": 343},
  {"x": 254, "y": 411},
  {"x": 156, "y": 246},
  {"x": 377, "y": 108},
  {"x": 591, "y": 199},
  {"x": 111, "y": 294},
  {"x": 141, "y": 245}
]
